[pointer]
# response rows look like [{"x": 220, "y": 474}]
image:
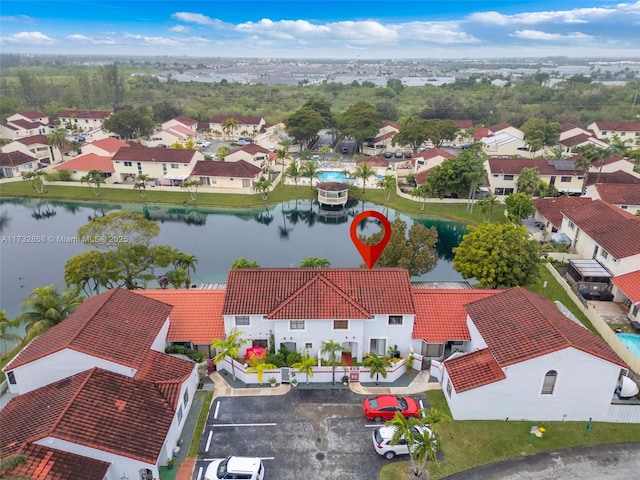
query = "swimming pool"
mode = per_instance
[
  {"x": 631, "y": 341},
  {"x": 334, "y": 176}
]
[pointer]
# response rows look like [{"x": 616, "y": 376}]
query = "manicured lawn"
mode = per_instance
[
  {"x": 202, "y": 420},
  {"x": 468, "y": 444}
]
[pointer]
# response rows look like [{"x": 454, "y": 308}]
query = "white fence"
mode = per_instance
[{"x": 321, "y": 374}]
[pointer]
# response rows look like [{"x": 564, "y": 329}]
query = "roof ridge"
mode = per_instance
[{"x": 71, "y": 400}]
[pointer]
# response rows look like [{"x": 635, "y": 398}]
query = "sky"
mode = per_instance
[{"x": 323, "y": 29}]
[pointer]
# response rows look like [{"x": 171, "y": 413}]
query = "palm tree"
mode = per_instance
[
  {"x": 387, "y": 183},
  {"x": 229, "y": 126},
  {"x": 187, "y": 261},
  {"x": 588, "y": 154},
  {"x": 293, "y": 172},
  {"x": 57, "y": 138},
  {"x": 94, "y": 179},
  {"x": 422, "y": 192},
  {"x": 229, "y": 347},
  {"x": 177, "y": 278},
  {"x": 332, "y": 348},
  {"x": 46, "y": 308},
  {"x": 37, "y": 180},
  {"x": 141, "y": 184},
  {"x": 485, "y": 205},
  {"x": 377, "y": 365},
  {"x": 222, "y": 152},
  {"x": 190, "y": 144},
  {"x": 259, "y": 368},
  {"x": 262, "y": 187},
  {"x": 529, "y": 181},
  {"x": 191, "y": 186},
  {"x": 5, "y": 335},
  {"x": 310, "y": 170},
  {"x": 305, "y": 365},
  {"x": 363, "y": 171},
  {"x": 425, "y": 447},
  {"x": 324, "y": 149},
  {"x": 404, "y": 428},
  {"x": 281, "y": 154}
]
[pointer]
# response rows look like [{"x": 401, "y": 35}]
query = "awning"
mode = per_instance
[
  {"x": 175, "y": 177},
  {"x": 570, "y": 190}
]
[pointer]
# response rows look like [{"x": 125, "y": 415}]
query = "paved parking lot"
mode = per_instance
[{"x": 304, "y": 431}]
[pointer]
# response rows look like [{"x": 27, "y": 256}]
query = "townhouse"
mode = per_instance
[
  {"x": 85, "y": 120},
  {"x": 626, "y": 132},
  {"x": 236, "y": 126},
  {"x": 165, "y": 166}
]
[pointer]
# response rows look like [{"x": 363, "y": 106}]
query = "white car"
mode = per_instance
[
  {"x": 382, "y": 441},
  {"x": 248, "y": 468},
  {"x": 203, "y": 143}
]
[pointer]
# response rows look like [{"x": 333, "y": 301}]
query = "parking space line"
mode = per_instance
[
  {"x": 206, "y": 449},
  {"x": 243, "y": 424},
  {"x": 199, "y": 474},
  {"x": 373, "y": 426},
  {"x": 422, "y": 408},
  {"x": 215, "y": 414}
]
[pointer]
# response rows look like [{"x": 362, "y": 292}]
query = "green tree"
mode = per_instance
[
  {"x": 519, "y": 206},
  {"x": 131, "y": 228},
  {"x": 9, "y": 463},
  {"x": 498, "y": 255},
  {"x": 5, "y": 334},
  {"x": 163, "y": 111},
  {"x": 377, "y": 365},
  {"x": 304, "y": 125},
  {"x": 46, "y": 308},
  {"x": 334, "y": 351},
  {"x": 129, "y": 124},
  {"x": 305, "y": 365},
  {"x": 244, "y": 263},
  {"x": 396, "y": 85},
  {"x": 187, "y": 261},
  {"x": 405, "y": 429},
  {"x": 539, "y": 134},
  {"x": 259, "y": 368},
  {"x": 324, "y": 150},
  {"x": 529, "y": 181},
  {"x": 177, "y": 278},
  {"x": 360, "y": 121},
  {"x": 229, "y": 347},
  {"x": 293, "y": 172},
  {"x": 415, "y": 252},
  {"x": 486, "y": 206},
  {"x": 37, "y": 180},
  {"x": 457, "y": 176},
  {"x": 363, "y": 172},
  {"x": 94, "y": 179},
  {"x": 587, "y": 156},
  {"x": 421, "y": 192},
  {"x": 191, "y": 186},
  {"x": 141, "y": 184},
  {"x": 229, "y": 126},
  {"x": 413, "y": 132},
  {"x": 281, "y": 155},
  {"x": 263, "y": 187},
  {"x": 222, "y": 152},
  {"x": 57, "y": 138},
  {"x": 439, "y": 131},
  {"x": 314, "y": 262},
  {"x": 310, "y": 170}
]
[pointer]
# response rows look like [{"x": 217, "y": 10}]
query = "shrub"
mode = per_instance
[
  {"x": 293, "y": 357},
  {"x": 276, "y": 359},
  {"x": 188, "y": 352},
  {"x": 59, "y": 176}
]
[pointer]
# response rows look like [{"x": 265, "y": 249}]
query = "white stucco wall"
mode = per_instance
[{"x": 584, "y": 389}]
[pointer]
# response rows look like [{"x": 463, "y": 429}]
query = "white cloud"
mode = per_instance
[
  {"x": 538, "y": 35},
  {"x": 199, "y": 19},
  {"x": 77, "y": 36},
  {"x": 28, "y": 38},
  {"x": 153, "y": 40},
  {"x": 17, "y": 18},
  {"x": 575, "y": 16},
  {"x": 180, "y": 29},
  {"x": 434, "y": 32}
]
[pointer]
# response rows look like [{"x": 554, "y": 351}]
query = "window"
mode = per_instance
[
  {"x": 395, "y": 319},
  {"x": 549, "y": 382},
  {"x": 623, "y": 134},
  {"x": 164, "y": 168},
  {"x": 496, "y": 175},
  {"x": 604, "y": 132},
  {"x": 341, "y": 324},
  {"x": 604, "y": 254},
  {"x": 242, "y": 321},
  {"x": 624, "y": 207},
  {"x": 508, "y": 177},
  {"x": 185, "y": 398},
  {"x": 449, "y": 388},
  {"x": 179, "y": 415},
  {"x": 175, "y": 165},
  {"x": 246, "y": 183},
  {"x": 308, "y": 345},
  {"x": 572, "y": 225},
  {"x": 11, "y": 377},
  {"x": 378, "y": 346},
  {"x": 565, "y": 179},
  {"x": 296, "y": 324},
  {"x": 128, "y": 164}
]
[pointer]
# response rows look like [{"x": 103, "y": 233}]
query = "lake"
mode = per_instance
[{"x": 274, "y": 236}]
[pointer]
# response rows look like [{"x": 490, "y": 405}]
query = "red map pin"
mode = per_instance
[{"x": 370, "y": 253}]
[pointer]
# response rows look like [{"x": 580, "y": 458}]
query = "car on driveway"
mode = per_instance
[
  {"x": 203, "y": 143},
  {"x": 384, "y": 407},
  {"x": 249, "y": 468},
  {"x": 388, "y": 155},
  {"x": 398, "y": 154},
  {"x": 382, "y": 441}
]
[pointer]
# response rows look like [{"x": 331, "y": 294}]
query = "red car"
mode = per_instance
[{"x": 384, "y": 407}]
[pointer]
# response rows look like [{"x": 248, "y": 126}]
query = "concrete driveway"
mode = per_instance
[
  {"x": 304, "y": 431},
  {"x": 600, "y": 462}
]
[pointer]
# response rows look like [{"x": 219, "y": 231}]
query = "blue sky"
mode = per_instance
[{"x": 324, "y": 29}]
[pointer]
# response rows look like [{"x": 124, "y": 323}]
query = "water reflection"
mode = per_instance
[{"x": 43, "y": 210}]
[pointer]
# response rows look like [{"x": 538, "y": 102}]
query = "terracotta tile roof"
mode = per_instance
[
  {"x": 629, "y": 284},
  {"x": 262, "y": 291},
  {"x": 33, "y": 140},
  {"x": 186, "y": 120},
  {"x": 440, "y": 314},
  {"x": 389, "y": 123},
  {"x": 434, "y": 152},
  {"x": 94, "y": 114},
  {"x": 109, "y": 144},
  {"x": 180, "y": 130},
  {"x": 480, "y": 132},
  {"x": 89, "y": 161},
  {"x": 196, "y": 315},
  {"x": 552, "y": 207},
  {"x": 619, "y": 194},
  {"x": 619, "y": 126},
  {"x": 611, "y": 159},
  {"x": 576, "y": 140},
  {"x": 519, "y": 325},
  {"x": 463, "y": 124},
  {"x": 49, "y": 464},
  {"x": 14, "y": 159},
  {"x": 384, "y": 136},
  {"x": 618, "y": 176},
  {"x": 617, "y": 231},
  {"x": 422, "y": 175},
  {"x": 242, "y": 120},
  {"x": 157, "y": 155},
  {"x": 95, "y": 409},
  {"x": 167, "y": 373},
  {"x": 104, "y": 326},
  {"x": 499, "y": 127},
  {"x": 565, "y": 127},
  {"x": 373, "y": 161},
  {"x": 25, "y": 124},
  {"x": 251, "y": 148},
  {"x": 473, "y": 370},
  {"x": 33, "y": 114},
  {"x": 514, "y": 166},
  {"x": 239, "y": 169}
]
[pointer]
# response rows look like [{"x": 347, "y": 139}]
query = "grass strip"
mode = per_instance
[{"x": 200, "y": 423}]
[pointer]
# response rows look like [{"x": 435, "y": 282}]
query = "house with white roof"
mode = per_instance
[
  {"x": 166, "y": 166},
  {"x": 527, "y": 361},
  {"x": 627, "y": 132},
  {"x": 100, "y": 386},
  {"x": 364, "y": 310}
]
